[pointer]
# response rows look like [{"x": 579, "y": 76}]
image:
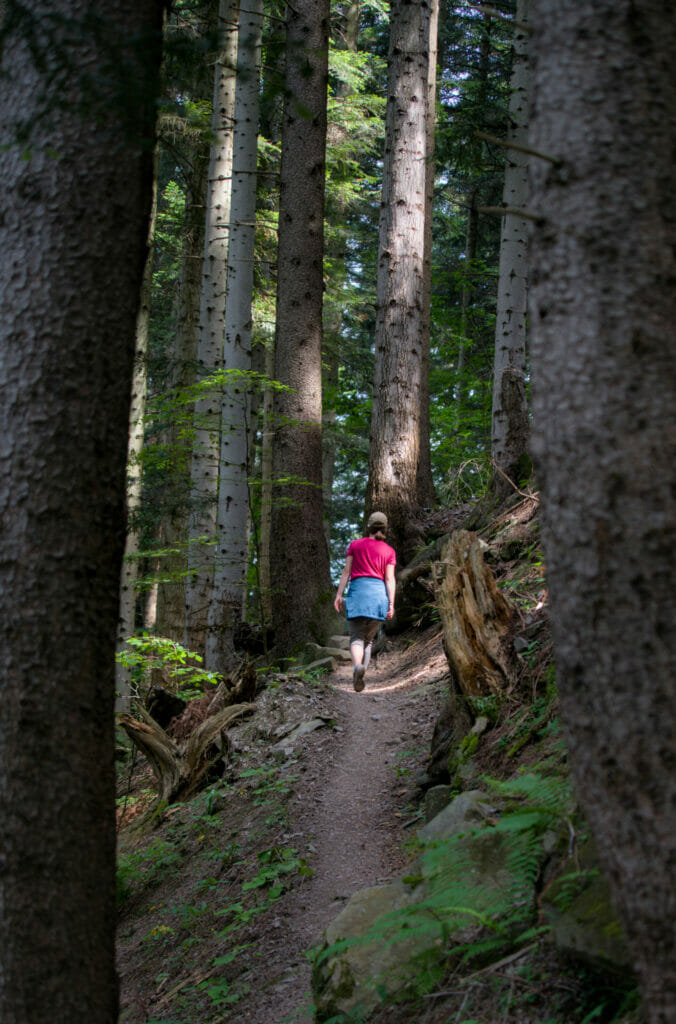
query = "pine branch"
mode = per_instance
[
  {"x": 518, "y": 147},
  {"x": 500, "y": 211},
  {"x": 500, "y": 16}
]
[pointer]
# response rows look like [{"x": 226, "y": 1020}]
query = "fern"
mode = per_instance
[{"x": 476, "y": 890}]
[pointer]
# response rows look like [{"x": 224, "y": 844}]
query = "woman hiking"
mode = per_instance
[{"x": 369, "y": 567}]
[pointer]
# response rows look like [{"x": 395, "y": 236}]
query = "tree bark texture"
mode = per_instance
[
  {"x": 424, "y": 484},
  {"x": 267, "y": 491},
  {"x": 346, "y": 33},
  {"x": 603, "y": 309},
  {"x": 478, "y": 619},
  {"x": 204, "y": 468},
  {"x": 510, "y": 421},
  {"x": 171, "y": 588},
  {"x": 139, "y": 393},
  {"x": 232, "y": 548},
  {"x": 76, "y": 116},
  {"x": 299, "y": 553},
  {"x": 398, "y": 389},
  {"x": 466, "y": 339}
]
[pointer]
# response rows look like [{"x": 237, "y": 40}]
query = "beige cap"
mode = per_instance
[{"x": 377, "y": 519}]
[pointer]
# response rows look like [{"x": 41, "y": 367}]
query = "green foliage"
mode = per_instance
[
  {"x": 476, "y": 890},
  {"x": 488, "y": 707},
  {"x": 145, "y": 653},
  {"x": 144, "y": 867},
  {"x": 274, "y": 864},
  {"x": 269, "y": 785},
  {"x": 537, "y": 719}
]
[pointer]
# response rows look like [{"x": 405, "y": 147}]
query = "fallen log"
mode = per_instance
[{"x": 478, "y": 619}]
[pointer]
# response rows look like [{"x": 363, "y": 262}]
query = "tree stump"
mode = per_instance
[
  {"x": 181, "y": 768},
  {"x": 478, "y": 619}
]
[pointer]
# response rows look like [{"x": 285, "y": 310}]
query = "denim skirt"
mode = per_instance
[{"x": 366, "y": 598}]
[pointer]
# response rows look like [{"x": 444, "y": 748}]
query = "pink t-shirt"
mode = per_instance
[{"x": 370, "y": 557}]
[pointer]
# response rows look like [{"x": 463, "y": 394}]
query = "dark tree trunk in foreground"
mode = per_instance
[
  {"x": 399, "y": 387},
  {"x": 72, "y": 246},
  {"x": 603, "y": 310},
  {"x": 299, "y": 553}
]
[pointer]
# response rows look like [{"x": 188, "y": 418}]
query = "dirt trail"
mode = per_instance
[{"x": 354, "y": 817}]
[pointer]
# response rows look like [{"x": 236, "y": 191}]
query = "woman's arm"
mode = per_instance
[
  {"x": 391, "y": 587},
  {"x": 338, "y": 602}
]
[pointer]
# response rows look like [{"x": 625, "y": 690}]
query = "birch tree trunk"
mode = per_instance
[
  {"x": 603, "y": 309},
  {"x": 299, "y": 554},
  {"x": 76, "y": 166},
  {"x": 398, "y": 388},
  {"x": 204, "y": 468},
  {"x": 510, "y": 424},
  {"x": 225, "y": 611},
  {"x": 139, "y": 391}
]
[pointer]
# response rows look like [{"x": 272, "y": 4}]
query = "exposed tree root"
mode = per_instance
[{"x": 182, "y": 768}]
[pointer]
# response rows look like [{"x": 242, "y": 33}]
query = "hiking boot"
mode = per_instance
[{"x": 358, "y": 678}]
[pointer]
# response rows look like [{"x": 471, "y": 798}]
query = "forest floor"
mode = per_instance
[
  {"x": 337, "y": 809},
  {"x": 223, "y": 899}
]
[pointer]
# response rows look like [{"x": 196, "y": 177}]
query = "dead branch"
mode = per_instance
[
  {"x": 518, "y": 147},
  {"x": 180, "y": 769}
]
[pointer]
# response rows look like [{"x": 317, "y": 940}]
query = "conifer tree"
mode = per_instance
[
  {"x": 77, "y": 111},
  {"x": 399, "y": 388},
  {"x": 232, "y": 549},
  {"x": 299, "y": 554},
  {"x": 207, "y": 416},
  {"x": 602, "y": 311},
  {"x": 510, "y": 424}
]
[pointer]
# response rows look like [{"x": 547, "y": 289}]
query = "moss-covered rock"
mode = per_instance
[
  {"x": 578, "y": 907},
  {"x": 344, "y": 980}
]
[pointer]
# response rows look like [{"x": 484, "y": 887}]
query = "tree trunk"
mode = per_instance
[
  {"x": 478, "y": 619},
  {"x": 346, "y": 34},
  {"x": 171, "y": 585},
  {"x": 603, "y": 309},
  {"x": 204, "y": 468},
  {"x": 425, "y": 485},
  {"x": 466, "y": 341},
  {"x": 76, "y": 166},
  {"x": 129, "y": 574},
  {"x": 510, "y": 423},
  {"x": 398, "y": 389},
  {"x": 299, "y": 556},
  {"x": 232, "y": 550},
  {"x": 347, "y": 38},
  {"x": 265, "y": 533}
]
